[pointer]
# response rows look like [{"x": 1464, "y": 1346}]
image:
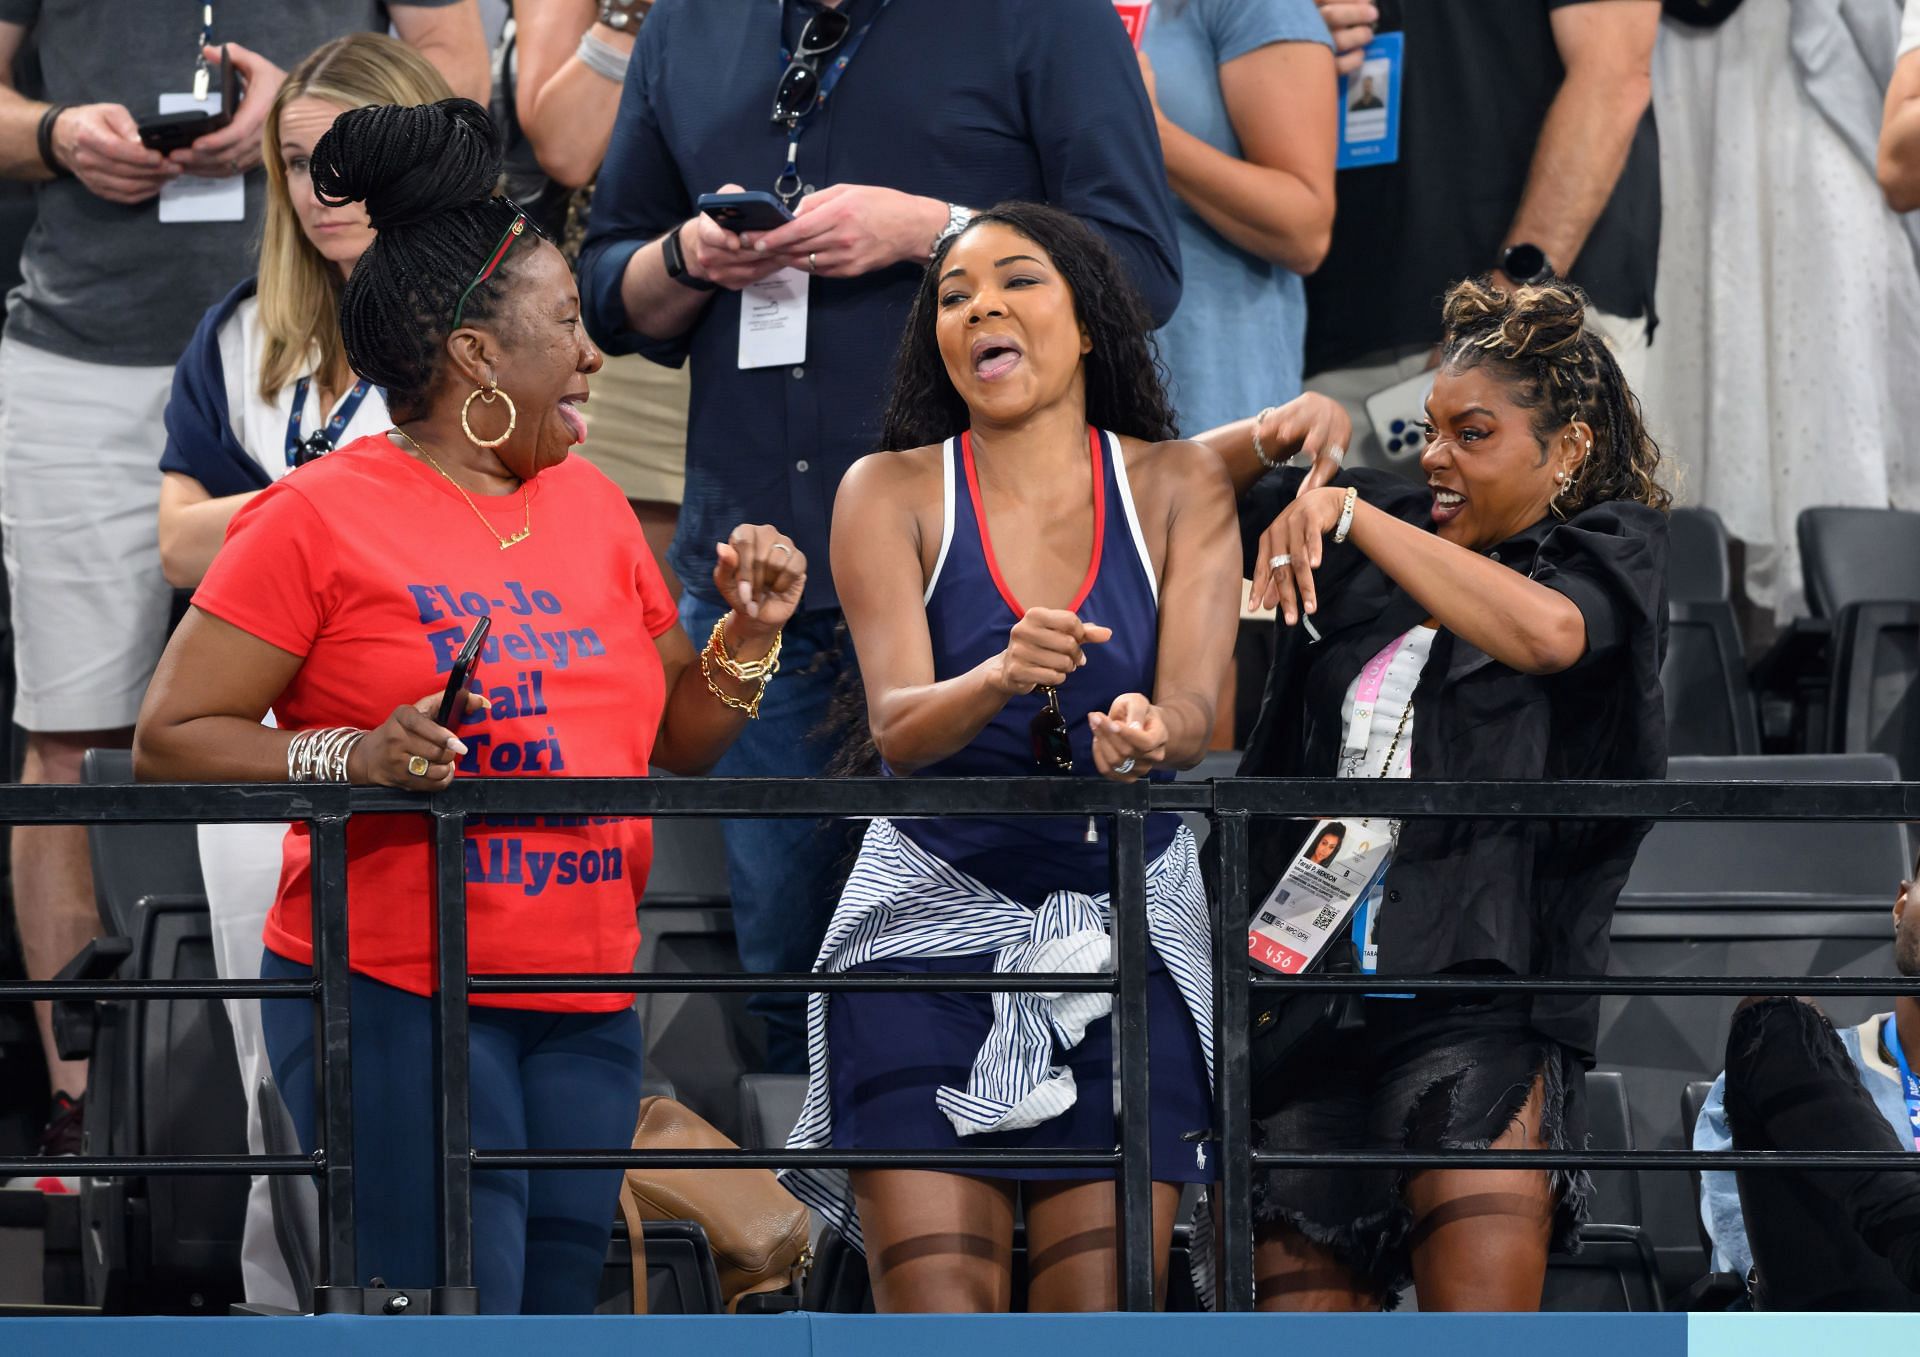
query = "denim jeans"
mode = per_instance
[
  {"x": 540, "y": 1081},
  {"x": 784, "y": 873}
]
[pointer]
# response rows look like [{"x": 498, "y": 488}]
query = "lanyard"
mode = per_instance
[
  {"x": 201, "y": 74},
  {"x": 343, "y": 414},
  {"x": 1909, "y": 1085},
  {"x": 787, "y": 186}
]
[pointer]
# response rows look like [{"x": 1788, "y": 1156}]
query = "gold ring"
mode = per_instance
[{"x": 417, "y": 766}]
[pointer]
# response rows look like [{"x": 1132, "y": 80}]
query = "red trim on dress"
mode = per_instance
[{"x": 1094, "y": 442}]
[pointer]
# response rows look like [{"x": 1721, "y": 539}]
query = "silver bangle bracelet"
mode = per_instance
[
  {"x": 603, "y": 58},
  {"x": 321, "y": 755},
  {"x": 1259, "y": 451}
]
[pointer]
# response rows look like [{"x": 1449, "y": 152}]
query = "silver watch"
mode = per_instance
[{"x": 957, "y": 219}]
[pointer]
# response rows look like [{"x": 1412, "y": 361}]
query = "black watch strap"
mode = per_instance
[
  {"x": 1525, "y": 263},
  {"x": 676, "y": 262}
]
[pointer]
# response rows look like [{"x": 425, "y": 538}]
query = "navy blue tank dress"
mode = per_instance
[{"x": 890, "y": 1051}]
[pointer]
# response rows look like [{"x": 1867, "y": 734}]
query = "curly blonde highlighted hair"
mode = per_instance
[{"x": 1536, "y": 338}]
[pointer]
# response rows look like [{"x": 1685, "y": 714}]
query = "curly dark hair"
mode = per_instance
[
  {"x": 1536, "y": 338},
  {"x": 427, "y": 175},
  {"x": 1126, "y": 382}
]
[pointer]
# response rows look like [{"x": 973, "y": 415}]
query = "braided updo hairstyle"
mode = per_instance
[
  {"x": 426, "y": 174},
  {"x": 1536, "y": 339}
]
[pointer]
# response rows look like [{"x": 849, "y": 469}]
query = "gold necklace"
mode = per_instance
[{"x": 526, "y": 499}]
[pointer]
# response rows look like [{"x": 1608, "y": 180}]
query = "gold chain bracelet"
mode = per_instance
[{"x": 760, "y": 671}]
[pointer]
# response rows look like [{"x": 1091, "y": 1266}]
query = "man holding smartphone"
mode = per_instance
[
  {"x": 128, "y": 250},
  {"x": 880, "y": 124}
]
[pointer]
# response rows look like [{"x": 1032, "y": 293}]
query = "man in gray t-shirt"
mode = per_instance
[{"x": 129, "y": 248}]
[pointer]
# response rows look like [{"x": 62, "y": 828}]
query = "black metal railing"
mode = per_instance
[{"x": 1229, "y": 804}]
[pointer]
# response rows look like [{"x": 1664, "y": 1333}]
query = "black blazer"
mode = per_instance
[{"x": 1529, "y": 897}]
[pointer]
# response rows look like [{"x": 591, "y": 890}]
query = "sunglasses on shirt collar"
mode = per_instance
[{"x": 800, "y": 84}]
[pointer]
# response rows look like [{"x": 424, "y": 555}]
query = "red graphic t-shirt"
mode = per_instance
[{"x": 371, "y": 567}]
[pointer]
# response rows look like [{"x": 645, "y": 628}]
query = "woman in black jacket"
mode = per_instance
[{"x": 1504, "y": 621}]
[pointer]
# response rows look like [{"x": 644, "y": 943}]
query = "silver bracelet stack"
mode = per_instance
[
  {"x": 603, "y": 58},
  {"x": 1259, "y": 451},
  {"x": 321, "y": 755}
]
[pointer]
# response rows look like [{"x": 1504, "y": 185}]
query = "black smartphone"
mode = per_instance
[
  {"x": 164, "y": 132},
  {"x": 751, "y": 211},
  {"x": 463, "y": 664}
]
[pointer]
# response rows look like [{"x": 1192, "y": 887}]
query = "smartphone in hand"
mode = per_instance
[
  {"x": 164, "y": 132},
  {"x": 463, "y": 665},
  {"x": 755, "y": 210}
]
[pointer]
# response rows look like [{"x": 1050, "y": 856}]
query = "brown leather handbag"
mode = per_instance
[{"x": 757, "y": 1228}]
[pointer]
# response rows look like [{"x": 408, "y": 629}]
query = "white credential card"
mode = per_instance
[
  {"x": 773, "y": 321},
  {"x": 191, "y": 198}
]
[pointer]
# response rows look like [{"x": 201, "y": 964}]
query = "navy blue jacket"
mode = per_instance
[{"x": 200, "y": 438}]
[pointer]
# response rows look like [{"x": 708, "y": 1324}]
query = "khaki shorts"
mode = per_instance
[
  {"x": 637, "y": 428},
  {"x": 80, "y": 451}
]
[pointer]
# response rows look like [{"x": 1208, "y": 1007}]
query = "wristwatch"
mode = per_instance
[
  {"x": 624, "y": 16},
  {"x": 1526, "y": 264},
  {"x": 676, "y": 261},
  {"x": 957, "y": 219}
]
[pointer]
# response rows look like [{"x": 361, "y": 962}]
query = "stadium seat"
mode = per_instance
[
  {"x": 1615, "y": 1269},
  {"x": 769, "y": 1107},
  {"x": 681, "y": 1277},
  {"x": 1697, "y": 558},
  {"x": 1850, "y": 556},
  {"x": 1716, "y": 898},
  {"x": 1710, "y": 707},
  {"x": 164, "y": 1081},
  {"x": 1872, "y": 706}
]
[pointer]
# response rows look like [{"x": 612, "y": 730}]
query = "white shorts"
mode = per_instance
[{"x": 80, "y": 448}]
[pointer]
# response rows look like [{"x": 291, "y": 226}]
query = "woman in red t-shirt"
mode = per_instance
[{"x": 342, "y": 596}]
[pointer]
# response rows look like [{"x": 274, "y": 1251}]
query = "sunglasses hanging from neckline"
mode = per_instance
[{"x": 799, "y": 85}]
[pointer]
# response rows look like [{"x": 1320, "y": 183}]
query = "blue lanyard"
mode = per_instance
[
  {"x": 787, "y": 186},
  {"x": 1909, "y": 1086},
  {"x": 329, "y": 436}
]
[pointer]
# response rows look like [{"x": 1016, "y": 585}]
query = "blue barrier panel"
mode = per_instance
[
  {"x": 1799, "y": 1335},
  {"x": 1112, "y": 1335}
]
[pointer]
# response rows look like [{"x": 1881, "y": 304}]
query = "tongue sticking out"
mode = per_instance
[
  {"x": 575, "y": 421},
  {"x": 996, "y": 363}
]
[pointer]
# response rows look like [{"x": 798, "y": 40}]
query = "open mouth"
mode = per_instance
[
  {"x": 1447, "y": 504},
  {"x": 571, "y": 416},
  {"x": 994, "y": 357}
]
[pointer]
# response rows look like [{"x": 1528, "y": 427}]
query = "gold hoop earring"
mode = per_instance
[{"x": 486, "y": 394}]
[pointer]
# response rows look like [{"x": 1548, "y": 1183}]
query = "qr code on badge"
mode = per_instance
[{"x": 1324, "y": 919}]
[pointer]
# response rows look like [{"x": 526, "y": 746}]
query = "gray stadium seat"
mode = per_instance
[
  {"x": 1710, "y": 708},
  {"x": 769, "y": 1107},
  {"x": 1873, "y": 707},
  {"x": 1852, "y": 556},
  {"x": 165, "y": 1080},
  {"x": 1697, "y": 558},
  {"x": 703, "y": 1043},
  {"x": 1615, "y": 1269},
  {"x": 1731, "y": 898}
]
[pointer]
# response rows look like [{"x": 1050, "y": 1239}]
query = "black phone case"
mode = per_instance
[{"x": 166, "y": 132}]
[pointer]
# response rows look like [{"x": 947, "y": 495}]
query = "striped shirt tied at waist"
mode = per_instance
[{"x": 902, "y": 901}]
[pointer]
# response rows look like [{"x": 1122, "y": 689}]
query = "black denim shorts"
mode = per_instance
[{"x": 1421, "y": 1074}]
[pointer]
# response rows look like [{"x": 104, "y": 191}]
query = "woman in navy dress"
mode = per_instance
[{"x": 1001, "y": 571}]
